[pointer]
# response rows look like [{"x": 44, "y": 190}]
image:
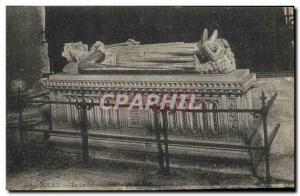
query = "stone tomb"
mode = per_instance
[
  {"x": 224, "y": 91},
  {"x": 205, "y": 69}
]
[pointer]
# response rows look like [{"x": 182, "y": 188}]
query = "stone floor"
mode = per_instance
[{"x": 106, "y": 175}]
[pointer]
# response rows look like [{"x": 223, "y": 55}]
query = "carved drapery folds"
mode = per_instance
[{"x": 209, "y": 55}]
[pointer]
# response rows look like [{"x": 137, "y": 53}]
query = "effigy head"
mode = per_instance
[
  {"x": 214, "y": 54},
  {"x": 75, "y": 52}
]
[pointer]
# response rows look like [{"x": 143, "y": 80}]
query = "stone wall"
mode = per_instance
[
  {"x": 26, "y": 55},
  {"x": 282, "y": 112}
]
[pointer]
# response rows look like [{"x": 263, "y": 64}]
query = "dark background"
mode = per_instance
[{"x": 258, "y": 36}]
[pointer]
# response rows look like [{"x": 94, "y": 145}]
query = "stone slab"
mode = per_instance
[
  {"x": 230, "y": 77},
  {"x": 235, "y": 82}
]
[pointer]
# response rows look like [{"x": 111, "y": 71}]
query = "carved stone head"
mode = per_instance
[{"x": 74, "y": 52}]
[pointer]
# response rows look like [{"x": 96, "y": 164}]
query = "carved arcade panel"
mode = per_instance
[{"x": 181, "y": 124}]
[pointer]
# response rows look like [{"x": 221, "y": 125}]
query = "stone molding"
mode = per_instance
[{"x": 233, "y": 86}]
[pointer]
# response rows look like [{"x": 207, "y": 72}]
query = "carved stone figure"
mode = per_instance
[
  {"x": 209, "y": 55},
  {"x": 214, "y": 54}
]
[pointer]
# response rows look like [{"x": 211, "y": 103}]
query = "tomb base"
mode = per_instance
[{"x": 212, "y": 91}]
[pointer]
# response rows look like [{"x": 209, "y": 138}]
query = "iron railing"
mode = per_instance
[{"x": 163, "y": 154}]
